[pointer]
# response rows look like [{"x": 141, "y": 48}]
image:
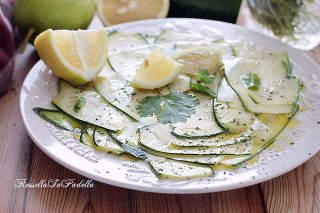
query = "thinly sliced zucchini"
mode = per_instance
[
  {"x": 128, "y": 137},
  {"x": 202, "y": 159},
  {"x": 171, "y": 169},
  {"x": 119, "y": 41},
  {"x": 227, "y": 95},
  {"x": 237, "y": 161},
  {"x": 158, "y": 137},
  {"x": 201, "y": 123},
  {"x": 95, "y": 110},
  {"x": 171, "y": 36},
  {"x": 163, "y": 167},
  {"x": 127, "y": 61},
  {"x": 224, "y": 48},
  {"x": 171, "y": 41},
  {"x": 59, "y": 119},
  {"x": 219, "y": 140},
  {"x": 229, "y": 111},
  {"x": 243, "y": 49},
  {"x": 235, "y": 69},
  {"x": 264, "y": 137},
  {"x": 117, "y": 92},
  {"x": 104, "y": 142},
  {"x": 87, "y": 136}
]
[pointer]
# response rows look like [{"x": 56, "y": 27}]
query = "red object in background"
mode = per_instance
[{"x": 7, "y": 48}]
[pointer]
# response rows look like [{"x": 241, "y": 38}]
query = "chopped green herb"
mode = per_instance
[
  {"x": 171, "y": 108},
  {"x": 204, "y": 76},
  {"x": 203, "y": 89},
  {"x": 81, "y": 101},
  {"x": 251, "y": 81}
]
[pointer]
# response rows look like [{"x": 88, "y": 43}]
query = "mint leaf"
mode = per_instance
[
  {"x": 171, "y": 108},
  {"x": 204, "y": 76},
  {"x": 203, "y": 89},
  {"x": 251, "y": 81},
  {"x": 79, "y": 104}
]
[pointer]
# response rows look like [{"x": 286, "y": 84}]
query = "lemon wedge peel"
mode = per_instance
[{"x": 74, "y": 69}]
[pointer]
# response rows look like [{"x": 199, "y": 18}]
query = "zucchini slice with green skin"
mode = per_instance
[
  {"x": 159, "y": 138},
  {"x": 201, "y": 123},
  {"x": 201, "y": 159},
  {"x": 119, "y": 41},
  {"x": 243, "y": 49},
  {"x": 171, "y": 36},
  {"x": 229, "y": 111},
  {"x": 104, "y": 142},
  {"x": 232, "y": 119},
  {"x": 126, "y": 62},
  {"x": 162, "y": 167},
  {"x": 59, "y": 119},
  {"x": 237, "y": 161},
  {"x": 171, "y": 169},
  {"x": 126, "y": 52},
  {"x": 223, "y": 139},
  {"x": 96, "y": 109},
  {"x": 288, "y": 92},
  {"x": 87, "y": 136},
  {"x": 118, "y": 93},
  {"x": 129, "y": 136}
]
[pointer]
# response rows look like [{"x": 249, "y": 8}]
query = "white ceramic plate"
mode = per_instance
[{"x": 294, "y": 146}]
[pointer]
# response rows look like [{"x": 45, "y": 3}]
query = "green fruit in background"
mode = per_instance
[{"x": 55, "y": 14}]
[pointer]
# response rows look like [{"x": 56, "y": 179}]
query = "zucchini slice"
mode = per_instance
[
  {"x": 129, "y": 137},
  {"x": 229, "y": 111},
  {"x": 118, "y": 93},
  {"x": 170, "y": 36},
  {"x": 126, "y": 52},
  {"x": 163, "y": 167},
  {"x": 249, "y": 50},
  {"x": 87, "y": 136},
  {"x": 119, "y": 41},
  {"x": 127, "y": 61},
  {"x": 278, "y": 92},
  {"x": 159, "y": 138},
  {"x": 201, "y": 123},
  {"x": 59, "y": 119},
  {"x": 104, "y": 142},
  {"x": 96, "y": 110},
  {"x": 171, "y": 169}
]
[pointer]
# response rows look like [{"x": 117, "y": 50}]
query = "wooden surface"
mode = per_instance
[{"x": 297, "y": 191}]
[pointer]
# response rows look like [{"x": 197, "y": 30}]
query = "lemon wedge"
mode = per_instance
[
  {"x": 156, "y": 71},
  {"x": 75, "y": 56},
  {"x": 194, "y": 59},
  {"x": 115, "y": 11}
]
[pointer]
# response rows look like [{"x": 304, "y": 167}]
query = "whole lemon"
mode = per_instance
[{"x": 55, "y": 14}]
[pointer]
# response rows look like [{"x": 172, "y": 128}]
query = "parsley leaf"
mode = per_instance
[
  {"x": 204, "y": 76},
  {"x": 171, "y": 108},
  {"x": 251, "y": 81},
  {"x": 79, "y": 104},
  {"x": 204, "y": 89}
]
